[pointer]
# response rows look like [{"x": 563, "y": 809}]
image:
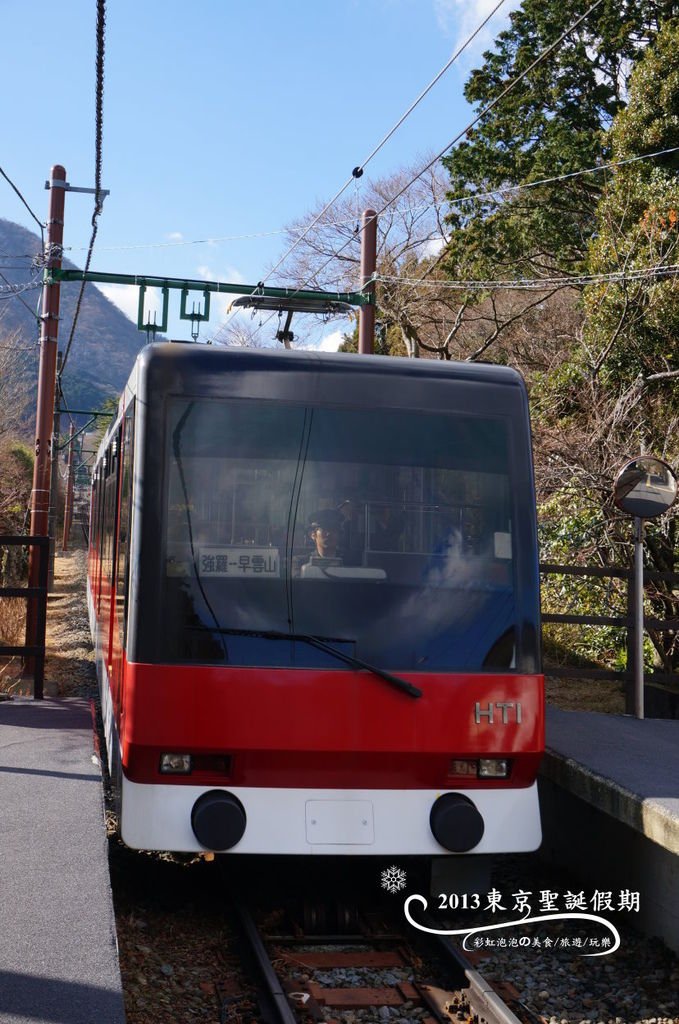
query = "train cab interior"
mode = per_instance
[{"x": 421, "y": 572}]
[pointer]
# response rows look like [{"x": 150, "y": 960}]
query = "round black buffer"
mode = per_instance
[
  {"x": 218, "y": 820},
  {"x": 456, "y": 823}
]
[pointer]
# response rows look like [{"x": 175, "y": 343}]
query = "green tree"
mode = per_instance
[
  {"x": 388, "y": 340},
  {"x": 110, "y": 407},
  {"x": 632, "y": 321},
  {"x": 597, "y": 374},
  {"x": 555, "y": 121}
]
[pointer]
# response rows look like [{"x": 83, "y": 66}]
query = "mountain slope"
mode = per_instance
[{"x": 105, "y": 343}]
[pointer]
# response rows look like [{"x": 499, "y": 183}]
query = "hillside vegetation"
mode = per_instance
[{"x": 548, "y": 241}]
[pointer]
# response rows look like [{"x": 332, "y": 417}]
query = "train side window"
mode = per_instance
[
  {"x": 111, "y": 506},
  {"x": 123, "y": 566}
]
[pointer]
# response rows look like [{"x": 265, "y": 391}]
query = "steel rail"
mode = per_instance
[
  {"x": 274, "y": 988},
  {"x": 484, "y": 1002},
  {"x": 483, "y": 999}
]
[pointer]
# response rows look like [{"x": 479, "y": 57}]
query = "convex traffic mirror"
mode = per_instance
[{"x": 645, "y": 487}]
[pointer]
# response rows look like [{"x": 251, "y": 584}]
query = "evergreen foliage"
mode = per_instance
[
  {"x": 604, "y": 385},
  {"x": 554, "y": 122}
]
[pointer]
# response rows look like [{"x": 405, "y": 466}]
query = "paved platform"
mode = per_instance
[
  {"x": 609, "y": 792},
  {"x": 58, "y": 951}
]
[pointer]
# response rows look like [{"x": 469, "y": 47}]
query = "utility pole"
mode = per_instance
[
  {"x": 366, "y": 316},
  {"x": 44, "y": 425},
  {"x": 68, "y": 509},
  {"x": 54, "y": 476}
]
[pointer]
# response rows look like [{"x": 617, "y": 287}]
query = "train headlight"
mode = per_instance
[
  {"x": 461, "y": 766},
  {"x": 484, "y": 768},
  {"x": 491, "y": 768},
  {"x": 175, "y": 764}
]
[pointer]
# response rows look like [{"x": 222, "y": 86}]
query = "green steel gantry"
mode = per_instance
[{"x": 277, "y": 298}]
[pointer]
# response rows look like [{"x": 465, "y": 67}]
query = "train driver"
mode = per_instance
[{"x": 325, "y": 530}]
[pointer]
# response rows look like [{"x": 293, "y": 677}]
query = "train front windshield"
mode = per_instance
[{"x": 412, "y": 571}]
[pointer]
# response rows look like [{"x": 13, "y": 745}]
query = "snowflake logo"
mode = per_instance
[{"x": 393, "y": 879}]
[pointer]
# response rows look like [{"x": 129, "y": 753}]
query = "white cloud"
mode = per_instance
[
  {"x": 220, "y": 306},
  {"x": 174, "y": 236},
  {"x": 220, "y": 302},
  {"x": 230, "y": 274},
  {"x": 432, "y": 247},
  {"x": 124, "y": 296},
  {"x": 332, "y": 342},
  {"x": 459, "y": 18}
]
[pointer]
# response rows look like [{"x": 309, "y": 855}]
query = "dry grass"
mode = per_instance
[
  {"x": 606, "y": 696},
  {"x": 69, "y": 668},
  {"x": 12, "y": 620},
  {"x": 69, "y": 664},
  {"x": 12, "y": 633}
]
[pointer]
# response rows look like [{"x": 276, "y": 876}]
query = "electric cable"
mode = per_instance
[
  {"x": 493, "y": 103},
  {"x": 38, "y": 222},
  {"x": 62, "y": 399},
  {"x": 358, "y": 170},
  {"x": 537, "y": 284},
  {"x": 99, "y": 129},
  {"x": 15, "y": 290},
  {"x": 16, "y": 293},
  {"x": 489, "y": 106},
  {"x": 485, "y": 110},
  {"x": 424, "y": 92},
  {"x": 501, "y": 191}
]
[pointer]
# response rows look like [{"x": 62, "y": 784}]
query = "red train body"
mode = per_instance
[{"x": 259, "y": 697}]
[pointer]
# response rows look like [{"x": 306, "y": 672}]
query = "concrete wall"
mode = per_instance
[{"x": 607, "y": 854}]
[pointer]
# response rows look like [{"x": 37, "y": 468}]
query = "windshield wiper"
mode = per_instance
[{"x": 322, "y": 645}]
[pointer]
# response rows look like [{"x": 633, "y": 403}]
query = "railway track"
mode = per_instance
[{"x": 370, "y": 974}]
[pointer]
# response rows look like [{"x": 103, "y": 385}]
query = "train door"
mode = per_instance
[
  {"x": 120, "y": 569},
  {"x": 110, "y": 491}
]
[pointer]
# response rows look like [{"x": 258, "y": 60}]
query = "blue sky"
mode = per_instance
[{"x": 221, "y": 119}]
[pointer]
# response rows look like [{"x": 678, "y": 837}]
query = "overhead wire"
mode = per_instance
[
  {"x": 501, "y": 191},
  {"x": 98, "y": 143},
  {"x": 536, "y": 284},
  {"x": 428, "y": 88},
  {"x": 485, "y": 110},
  {"x": 482, "y": 113},
  {"x": 598, "y": 168},
  {"x": 23, "y": 200},
  {"x": 358, "y": 170},
  {"x": 183, "y": 241},
  {"x": 493, "y": 103},
  {"x": 16, "y": 292},
  {"x": 62, "y": 401},
  {"x": 16, "y": 289}
]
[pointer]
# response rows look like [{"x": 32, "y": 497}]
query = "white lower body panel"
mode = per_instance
[{"x": 330, "y": 822}]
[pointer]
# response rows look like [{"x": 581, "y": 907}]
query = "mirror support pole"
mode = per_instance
[{"x": 638, "y": 617}]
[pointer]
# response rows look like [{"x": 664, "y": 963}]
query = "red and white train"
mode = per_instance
[{"x": 313, "y": 590}]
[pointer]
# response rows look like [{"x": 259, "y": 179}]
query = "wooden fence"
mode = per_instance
[
  {"x": 34, "y": 652},
  {"x": 625, "y": 621}
]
